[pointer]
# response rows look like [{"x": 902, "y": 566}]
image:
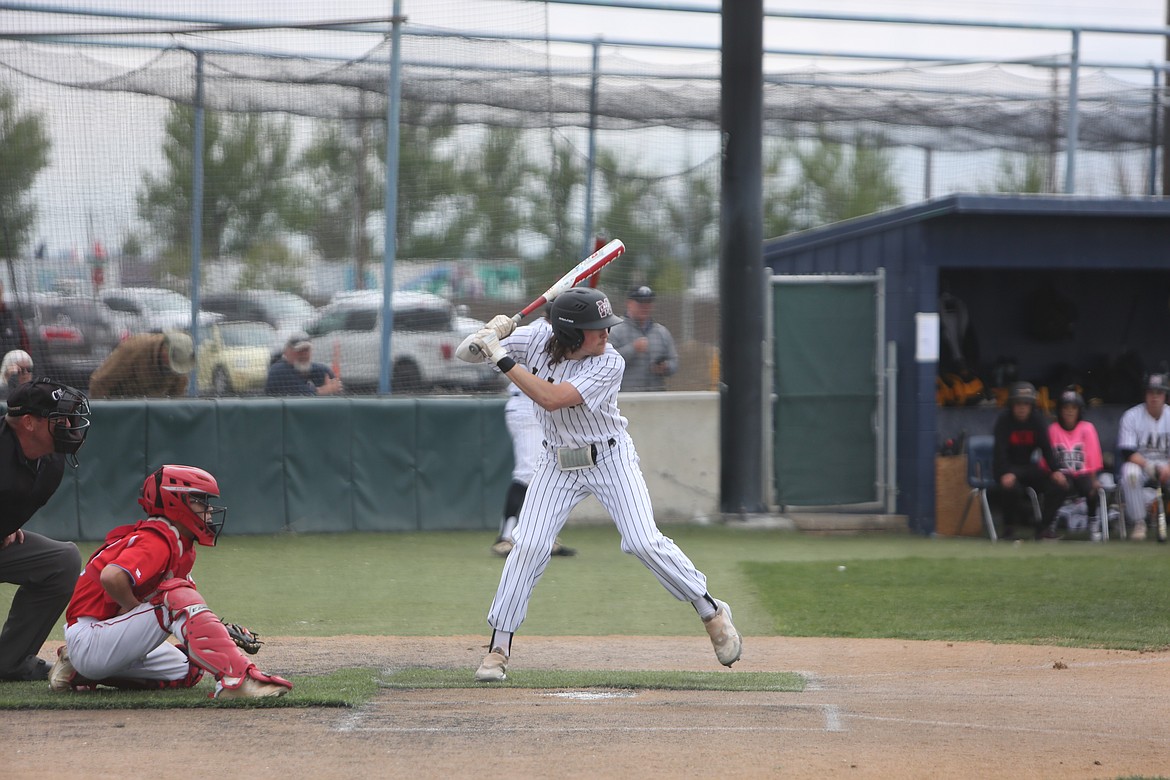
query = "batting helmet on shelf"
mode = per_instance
[
  {"x": 169, "y": 492},
  {"x": 1022, "y": 392},
  {"x": 577, "y": 310}
]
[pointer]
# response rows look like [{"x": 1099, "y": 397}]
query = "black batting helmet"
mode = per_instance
[
  {"x": 577, "y": 310},
  {"x": 1071, "y": 397},
  {"x": 1158, "y": 382},
  {"x": 1023, "y": 392}
]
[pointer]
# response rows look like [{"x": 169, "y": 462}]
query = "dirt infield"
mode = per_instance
[{"x": 873, "y": 708}]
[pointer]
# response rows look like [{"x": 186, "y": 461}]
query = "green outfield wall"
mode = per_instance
[{"x": 296, "y": 465}]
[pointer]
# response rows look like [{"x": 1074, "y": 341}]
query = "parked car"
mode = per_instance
[
  {"x": 284, "y": 311},
  {"x": 145, "y": 309},
  {"x": 234, "y": 357},
  {"x": 69, "y": 336},
  {"x": 426, "y": 332}
]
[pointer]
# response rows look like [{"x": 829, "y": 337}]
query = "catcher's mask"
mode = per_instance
[
  {"x": 169, "y": 492},
  {"x": 66, "y": 408},
  {"x": 577, "y": 310}
]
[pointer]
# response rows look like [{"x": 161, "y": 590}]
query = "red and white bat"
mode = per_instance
[{"x": 583, "y": 270}]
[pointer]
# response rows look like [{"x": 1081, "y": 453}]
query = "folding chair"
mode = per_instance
[{"x": 980, "y": 479}]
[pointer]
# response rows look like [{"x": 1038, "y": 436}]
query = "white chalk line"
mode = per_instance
[{"x": 831, "y": 716}]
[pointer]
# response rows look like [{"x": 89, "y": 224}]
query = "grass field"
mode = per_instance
[{"x": 779, "y": 583}]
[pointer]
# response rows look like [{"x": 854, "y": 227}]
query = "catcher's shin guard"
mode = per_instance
[{"x": 208, "y": 643}]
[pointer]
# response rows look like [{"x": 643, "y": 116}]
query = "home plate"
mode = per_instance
[{"x": 592, "y": 695}]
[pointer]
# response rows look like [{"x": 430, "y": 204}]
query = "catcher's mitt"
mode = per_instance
[{"x": 246, "y": 639}]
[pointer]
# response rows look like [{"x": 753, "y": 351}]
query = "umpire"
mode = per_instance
[{"x": 46, "y": 423}]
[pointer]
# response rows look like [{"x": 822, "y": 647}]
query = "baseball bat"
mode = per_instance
[{"x": 583, "y": 270}]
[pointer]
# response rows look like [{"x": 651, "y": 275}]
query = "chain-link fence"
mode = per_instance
[{"x": 516, "y": 152}]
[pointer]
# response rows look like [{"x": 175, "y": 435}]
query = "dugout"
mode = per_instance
[{"x": 1048, "y": 289}]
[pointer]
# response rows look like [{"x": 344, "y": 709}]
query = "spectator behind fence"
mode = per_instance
[
  {"x": 148, "y": 365},
  {"x": 1020, "y": 435},
  {"x": 296, "y": 373},
  {"x": 1143, "y": 439},
  {"x": 1078, "y": 454},
  {"x": 646, "y": 345},
  {"x": 15, "y": 369},
  {"x": 45, "y": 426}
]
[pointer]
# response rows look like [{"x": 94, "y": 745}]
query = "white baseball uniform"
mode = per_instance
[
  {"x": 615, "y": 480},
  {"x": 1139, "y": 432},
  {"x": 526, "y": 433}
]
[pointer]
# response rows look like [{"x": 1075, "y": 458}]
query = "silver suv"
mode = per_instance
[
  {"x": 347, "y": 334},
  {"x": 145, "y": 309}
]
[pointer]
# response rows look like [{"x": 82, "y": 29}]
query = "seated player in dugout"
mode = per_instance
[
  {"x": 136, "y": 591},
  {"x": 1021, "y": 434}
]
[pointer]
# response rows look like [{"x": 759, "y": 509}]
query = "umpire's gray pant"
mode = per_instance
[{"x": 45, "y": 572}]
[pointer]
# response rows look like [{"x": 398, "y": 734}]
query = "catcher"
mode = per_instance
[{"x": 136, "y": 591}]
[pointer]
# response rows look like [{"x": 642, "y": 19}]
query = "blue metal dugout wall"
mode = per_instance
[
  {"x": 1001, "y": 236},
  {"x": 296, "y": 465}
]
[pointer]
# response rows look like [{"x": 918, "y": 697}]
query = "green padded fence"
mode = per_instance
[{"x": 296, "y": 465}]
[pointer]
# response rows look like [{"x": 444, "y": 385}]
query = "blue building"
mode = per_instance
[{"x": 1052, "y": 290}]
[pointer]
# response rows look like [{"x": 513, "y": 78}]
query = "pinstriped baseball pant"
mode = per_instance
[{"x": 616, "y": 481}]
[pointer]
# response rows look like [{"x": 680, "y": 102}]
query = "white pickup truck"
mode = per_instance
[{"x": 347, "y": 333}]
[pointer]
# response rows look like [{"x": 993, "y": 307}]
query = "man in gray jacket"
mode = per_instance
[{"x": 646, "y": 345}]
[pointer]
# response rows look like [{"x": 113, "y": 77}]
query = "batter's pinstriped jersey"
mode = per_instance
[{"x": 597, "y": 379}]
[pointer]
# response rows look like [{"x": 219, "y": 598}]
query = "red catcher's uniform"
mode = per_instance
[{"x": 150, "y": 551}]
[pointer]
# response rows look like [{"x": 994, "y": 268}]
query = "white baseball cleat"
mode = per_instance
[
  {"x": 724, "y": 638},
  {"x": 494, "y": 667},
  {"x": 62, "y": 674}
]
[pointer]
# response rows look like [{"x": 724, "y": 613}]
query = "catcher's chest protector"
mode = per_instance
[{"x": 124, "y": 536}]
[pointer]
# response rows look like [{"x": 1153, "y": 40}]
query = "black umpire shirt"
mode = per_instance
[{"x": 25, "y": 485}]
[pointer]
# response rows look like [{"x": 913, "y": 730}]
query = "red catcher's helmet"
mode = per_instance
[{"x": 169, "y": 491}]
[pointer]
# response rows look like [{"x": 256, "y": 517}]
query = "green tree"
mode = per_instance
[
  {"x": 489, "y": 207},
  {"x": 427, "y": 178},
  {"x": 634, "y": 213},
  {"x": 552, "y": 214},
  {"x": 693, "y": 219},
  {"x": 24, "y": 153},
  {"x": 330, "y": 208},
  {"x": 834, "y": 182},
  {"x": 1032, "y": 176},
  {"x": 247, "y": 196}
]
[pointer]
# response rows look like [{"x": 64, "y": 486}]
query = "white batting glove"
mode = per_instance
[
  {"x": 502, "y": 325},
  {"x": 468, "y": 351},
  {"x": 486, "y": 341}
]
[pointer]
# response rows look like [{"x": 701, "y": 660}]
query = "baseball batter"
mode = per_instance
[
  {"x": 1143, "y": 437},
  {"x": 136, "y": 591},
  {"x": 568, "y": 368}
]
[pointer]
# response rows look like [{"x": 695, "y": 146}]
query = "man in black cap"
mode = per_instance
[
  {"x": 646, "y": 345},
  {"x": 46, "y": 423}
]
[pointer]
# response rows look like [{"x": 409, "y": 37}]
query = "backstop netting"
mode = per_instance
[{"x": 517, "y": 154}]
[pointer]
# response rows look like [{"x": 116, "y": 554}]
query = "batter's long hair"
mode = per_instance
[{"x": 555, "y": 350}]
